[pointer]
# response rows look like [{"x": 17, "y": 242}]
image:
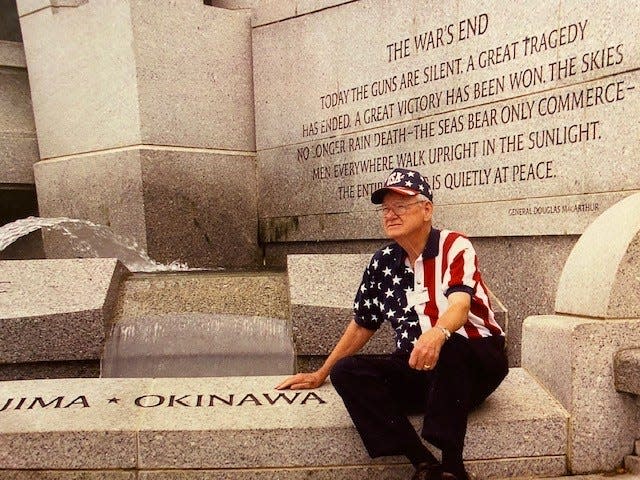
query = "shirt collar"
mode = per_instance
[{"x": 431, "y": 249}]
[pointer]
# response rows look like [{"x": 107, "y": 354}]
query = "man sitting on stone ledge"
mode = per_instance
[{"x": 450, "y": 351}]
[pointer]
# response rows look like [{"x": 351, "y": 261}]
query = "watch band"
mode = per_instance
[{"x": 445, "y": 331}]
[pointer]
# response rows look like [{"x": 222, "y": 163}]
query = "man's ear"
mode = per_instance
[{"x": 428, "y": 210}]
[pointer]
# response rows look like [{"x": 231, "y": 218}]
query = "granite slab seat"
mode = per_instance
[{"x": 243, "y": 426}]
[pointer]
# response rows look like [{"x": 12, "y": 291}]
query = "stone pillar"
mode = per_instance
[
  {"x": 144, "y": 114},
  {"x": 18, "y": 146},
  {"x": 573, "y": 351}
]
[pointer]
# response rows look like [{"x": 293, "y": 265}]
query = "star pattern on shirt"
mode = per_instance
[{"x": 382, "y": 296}]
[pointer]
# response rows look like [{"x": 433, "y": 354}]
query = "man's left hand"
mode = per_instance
[{"x": 426, "y": 351}]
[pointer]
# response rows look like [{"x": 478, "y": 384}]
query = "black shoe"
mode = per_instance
[
  {"x": 433, "y": 471},
  {"x": 450, "y": 476},
  {"x": 428, "y": 471}
]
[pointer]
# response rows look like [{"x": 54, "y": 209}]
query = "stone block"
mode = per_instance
[
  {"x": 193, "y": 91},
  {"x": 177, "y": 204},
  {"x": 241, "y": 293},
  {"x": 201, "y": 208},
  {"x": 573, "y": 358},
  {"x": 9, "y": 24},
  {"x": 270, "y": 11},
  {"x": 492, "y": 469},
  {"x": 12, "y": 54},
  {"x": 65, "y": 475},
  {"x": 56, "y": 309},
  {"x": 198, "y": 345},
  {"x": 483, "y": 122},
  {"x": 27, "y": 7},
  {"x": 602, "y": 279},
  {"x": 18, "y": 154},
  {"x": 240, "y": 424},
  {"x": 626, "y": 367},
  {"x": 548, "y": 353},
  {"x": 322, "y": 288},
  {"x": 533, "y": 466},
  {"x": 103, "y": 188},
  {"x": 383, "y": 472},
  {"x": 304, "y": 7},
  {"x": 18, "y": 145},
  {"x": 523, "y": 273},
  {"x": 52, "y": 369},
  {"x": 632, "y": 464},
  {"x": 316, "y": 330},
  {"x": 82, "y": 100},
  {"x": 197, "y": 90}
]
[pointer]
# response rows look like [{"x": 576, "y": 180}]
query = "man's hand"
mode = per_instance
[
  {"x": 426, "y": 351},
  {"x": 302, "y": 381}
]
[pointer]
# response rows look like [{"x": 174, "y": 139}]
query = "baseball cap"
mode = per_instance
[{"x": 404, "y": 181}]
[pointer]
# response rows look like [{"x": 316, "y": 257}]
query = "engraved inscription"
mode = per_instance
[{"x": 27, "y": 403}]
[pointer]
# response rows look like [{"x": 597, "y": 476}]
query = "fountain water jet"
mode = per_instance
[{"x": 89, "y": 240}]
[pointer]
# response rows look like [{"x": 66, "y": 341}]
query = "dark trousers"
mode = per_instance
[{"x": 380, "y": 392}]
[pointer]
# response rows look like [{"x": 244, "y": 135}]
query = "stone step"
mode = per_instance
[
  {"x": 54, "y": 315},
  {"x": 254, "y": 293},
  {"x": 240, "y": 427},
  {"x": 632, "y": 464},
  {"x": 627, "y": 371}
]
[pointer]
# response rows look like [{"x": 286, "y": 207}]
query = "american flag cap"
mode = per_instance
[{"x": 405, "y": 182}]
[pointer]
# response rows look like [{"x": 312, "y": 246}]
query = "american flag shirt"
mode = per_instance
[{"x": 412, "y": 301}]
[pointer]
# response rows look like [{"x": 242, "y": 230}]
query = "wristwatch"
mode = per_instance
[{"x": 445, "y": 332}]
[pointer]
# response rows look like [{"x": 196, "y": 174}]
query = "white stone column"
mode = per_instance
[
  {"x": 144, "y": 115},
  {"x": 597, "y": 314}
]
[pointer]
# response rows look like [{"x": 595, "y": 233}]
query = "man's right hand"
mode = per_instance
[
  {"x": 302, "y": 381},
  {"x": 352, "y": 340}
]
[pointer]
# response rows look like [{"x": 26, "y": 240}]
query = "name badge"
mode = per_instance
[{"x": 417, "y": 297}]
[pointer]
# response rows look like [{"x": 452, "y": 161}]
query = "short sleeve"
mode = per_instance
[
  {"x": 461, "y": 272},
  {"x": 366, "y": 307}
]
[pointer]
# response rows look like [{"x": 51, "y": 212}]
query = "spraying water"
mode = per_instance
[{"x": 89, "y": 240}]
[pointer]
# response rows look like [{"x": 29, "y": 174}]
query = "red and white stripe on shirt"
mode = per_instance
[{"x": 455, "y": 268}]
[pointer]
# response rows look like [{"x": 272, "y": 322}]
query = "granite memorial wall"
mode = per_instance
[{"x": 521, "y": 117}]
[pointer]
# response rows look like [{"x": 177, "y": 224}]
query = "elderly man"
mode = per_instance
[{"x": 450, "y": 350}]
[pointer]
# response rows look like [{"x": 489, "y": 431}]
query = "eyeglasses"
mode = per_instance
[{"x": 399, "y": 208}]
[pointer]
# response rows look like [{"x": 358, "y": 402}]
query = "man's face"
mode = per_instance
[{"x": 404, "y": 215}]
